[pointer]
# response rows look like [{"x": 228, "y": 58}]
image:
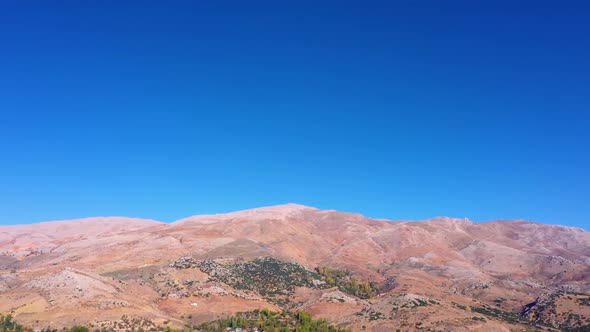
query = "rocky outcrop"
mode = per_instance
[{"x": 559, "y": 309}]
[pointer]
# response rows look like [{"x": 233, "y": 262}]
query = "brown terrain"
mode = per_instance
[{"x": 441, "y": 274}]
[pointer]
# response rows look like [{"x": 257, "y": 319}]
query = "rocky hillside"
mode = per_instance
[{"x": 358, "y": 273}]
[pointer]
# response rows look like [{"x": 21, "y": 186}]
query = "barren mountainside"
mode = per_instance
[{"x": 361, "y": 274}]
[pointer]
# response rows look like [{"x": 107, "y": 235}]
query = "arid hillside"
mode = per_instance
[{"x": 359, "y": 273}]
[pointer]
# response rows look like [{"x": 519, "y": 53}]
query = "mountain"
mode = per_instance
[{"x": 359, "y": 273}]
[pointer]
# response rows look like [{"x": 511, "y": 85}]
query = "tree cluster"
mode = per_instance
[
  {"x": 270, "y": 321},
  {"x": 7, "y": 324},
  {"x": 347, "y": 283}
]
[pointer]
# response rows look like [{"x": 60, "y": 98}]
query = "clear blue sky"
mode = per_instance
[{"x": 395, "y": 109}]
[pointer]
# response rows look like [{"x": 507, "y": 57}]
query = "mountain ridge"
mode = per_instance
[{"x": 278, "y": 207}]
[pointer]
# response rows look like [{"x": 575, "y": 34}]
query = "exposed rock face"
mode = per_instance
[
  {"x": 75, "y": 287},
  {"x": 446, "y": 274},
  {"x": 183, "y": 263},
  {"x": 533, "y": 310}
]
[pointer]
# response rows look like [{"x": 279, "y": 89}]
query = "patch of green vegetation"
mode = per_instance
[
  {"x": 263, "y": 319},
  {"x": 346, "y": 283},
  {"x": 267, "y": 276},
  {"x": 420, "y": 303},
  {"x": 271, "y": 321},
  {"x": 460, "y": 306},
  {"x": 375, "y": 315},
  {"x": 7, "y": 323},
  {"x": 497, "y": 313},
  {"x": 79, "y": 329}
]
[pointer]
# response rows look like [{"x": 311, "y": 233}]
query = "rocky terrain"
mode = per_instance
[{"x": 358, "y": 273}]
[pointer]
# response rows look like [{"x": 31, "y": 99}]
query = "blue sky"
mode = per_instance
[{"x": 396, "y": 109}]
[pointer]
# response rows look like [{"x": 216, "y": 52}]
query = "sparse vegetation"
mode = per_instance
[
  {"x": 498, "y": 301},
  {"x": 267, "y": 276},
  {"x": 79, "y": 329},
  {"x": 497, "y": 313},
  {"x": 375, "y": 315},
  {"x": 8, "y": 324},
  {"x": 585, "y": 301},
  {"x": 418, "y": 302},
  {"x": 545, "y": 311}
]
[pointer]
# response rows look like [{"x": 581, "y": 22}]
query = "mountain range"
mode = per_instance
[{"x": 359, "y": 273}]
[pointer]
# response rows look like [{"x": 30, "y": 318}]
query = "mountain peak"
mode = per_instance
[
  {"x": 281, "y": 211},
  {"x": 273, "y": 211},
  {"x": 285, "y": 207}
]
